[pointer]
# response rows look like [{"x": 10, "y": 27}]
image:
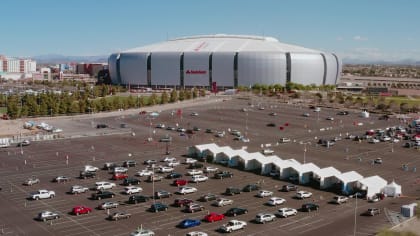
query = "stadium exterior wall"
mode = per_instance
[{"x": 195, "y": 68}]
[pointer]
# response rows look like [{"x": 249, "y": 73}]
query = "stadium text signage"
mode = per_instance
[{"x": 196, "y": 72}]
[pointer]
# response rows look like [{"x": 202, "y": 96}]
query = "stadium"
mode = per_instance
[{"x": 223, "y": 61}]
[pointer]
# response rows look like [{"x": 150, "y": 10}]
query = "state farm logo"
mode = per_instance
[{"x": 196, "y": 72}]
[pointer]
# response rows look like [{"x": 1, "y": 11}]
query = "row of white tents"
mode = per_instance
[{"x": 328, "y": 177}]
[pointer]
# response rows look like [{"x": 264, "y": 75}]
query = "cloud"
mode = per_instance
[
  {"x": 359, "y": 38},
  {"x": 377, "y": 54},
  {"x": 339, "y": 38}
]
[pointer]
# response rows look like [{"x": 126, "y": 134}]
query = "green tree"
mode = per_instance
[
  {"x": 153, "y": 100},
  {"x": 164, "y": 98},
  {"x": 74, "y": 108},
  {"x": 202, "y": 92},
  {"x": 194, "y": 93},
  {"x": 181, "y": 95},
  {"x": 12, "y": 107},
  {"x": 174, "y": 96}
]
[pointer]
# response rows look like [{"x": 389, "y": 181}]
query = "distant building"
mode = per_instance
[
  {"x": 89, "y": 68},
  {"x": 16, "y": 65}
]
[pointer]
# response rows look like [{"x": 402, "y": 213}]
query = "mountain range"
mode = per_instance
[{"x": 57, "y": 59}]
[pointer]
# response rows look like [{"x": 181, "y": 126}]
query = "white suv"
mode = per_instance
[
  {"x": 286, "y": 212},
  {"x": 264, "y": 217},
  {"x": 340, "y": 199},
  {"x": 104, "y": 185}
]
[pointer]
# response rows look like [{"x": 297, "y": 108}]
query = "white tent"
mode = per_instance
[
  {"x": 372, "y": 185},
  {"x": 392, "y": 190},
  {"x": 347, "y": 178},
  {"x": 324, "y": 176}
]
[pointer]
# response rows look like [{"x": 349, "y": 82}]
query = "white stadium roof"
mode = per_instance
[{"x": 222, "y": 43}]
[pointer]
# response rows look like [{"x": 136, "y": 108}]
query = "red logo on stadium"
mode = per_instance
[{"x": 196, "y": 72}]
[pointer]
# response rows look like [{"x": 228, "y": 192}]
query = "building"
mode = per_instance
[
  {"x": 15, "y": 65},
  {"x": 89, "y": 68},
  {"x": 224, "y": 61}
]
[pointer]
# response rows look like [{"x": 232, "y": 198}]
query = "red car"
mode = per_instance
[
  {"x": 180, "y": 202},
  {"x": 180, "y": 182},
  {"x": 78, "y": 210},
  {"x": 119, "y": 176},
  {"x": 212, "y": 217}
]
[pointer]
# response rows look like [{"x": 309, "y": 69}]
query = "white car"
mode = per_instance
[
  {"x": 120, "y": 169},
  {"x": 186, "y": 190},
  {"x": 196, "y": 233},
  {"x": 165, "y": 169},
  {"x": 267, "y": 151},
  {"x": 262, "y": 218},
  {"x": 91, "y": 168},
  {"x": 199, "y": 178},
  {"x": 76, "y": 189},
  {"x": 108, "y": 205},
  {"x": 195, "y": 172},
  {"x": 173, "y": 163},
  {"x": 160, "y": 126},
  {"x": 286, "y": 212},
  {"x": 210, "y": 169},
  {"x": 144, "y": 172},
  {"x": 373, "y": 140},
  {"x": 142, "y": 232},
  {"x": 132, "y": 189},
  {"x": 222, "y": 202},
  {"x": 233, "y": 225},
  {"x": 194, "y": 114},
  {"x": 330, "y": 118},
  {"x": 103, "y": 185},
  {"x": 169, "y": 159},
  {"x": 190, "y": 160},
  {"x": 274, "y": 201},
  {"x": 303, "y": 194},
  {"x": 264, "y": 193},
  {"x": 385, "y": 138}
]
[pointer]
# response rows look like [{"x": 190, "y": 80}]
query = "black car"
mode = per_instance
[
  {"x": 289, "y": 187},
  {"x": 158, "y": 207},
  {"x": 343, "y": 113},
  {"x": 87, "y": 174},
  {"x": 309, "y": 207},
  {"x": 223, "y": 174},
  {"x": 102, "y": 195},
  {"x": 250, "y": 188},
  {"x": 131, "y": 181},
  {"x": 232, "y": 191},
  {"x": 138, "y": 198},
  {"x": 101, "y": 126},
  {"x": 209, "y": 131},
  {"x": 195, "y": 165},
  {"x": 162, "y": 194},
  {"x": 129, "y": 163},
  {"x": 149, "y": 162},
  {"x": 236, "y": 211},
  {"x": 174, "y": 175},
  {"x": 208, "y": 197},
  {"x": 271, "y": 125}
]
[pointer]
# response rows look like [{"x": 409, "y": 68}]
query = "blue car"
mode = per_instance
[{"x": 188, "y": 223}]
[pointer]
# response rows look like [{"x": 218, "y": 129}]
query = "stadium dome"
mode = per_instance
[{"x": 224, "y": 61}]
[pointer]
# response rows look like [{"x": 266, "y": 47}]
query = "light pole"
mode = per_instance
[
  {"x": 304, "y": 150},
  {"x": 153, "y": 184},
  {"x": 355, "y": 215}
]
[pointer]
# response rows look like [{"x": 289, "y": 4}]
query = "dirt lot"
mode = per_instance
[{"x": 85, "y": 144}]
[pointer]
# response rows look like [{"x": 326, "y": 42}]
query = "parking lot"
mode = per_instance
[{"x": 49, "y": 159}]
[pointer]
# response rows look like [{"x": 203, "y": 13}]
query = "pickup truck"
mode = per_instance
[
  {"x": 233, "y": 225},
  {"x": 42, "y": 194},
  {"x": 223, "y": 174}
]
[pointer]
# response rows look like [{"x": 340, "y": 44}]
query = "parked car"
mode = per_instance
[
  {"x": 233, "y": 225},
  {"x": 210, "y": 169},
  {"x": 156, "y": 207},
  {"x": 174, "y": 175},
  {"x": 232, "y": 191},
  {"x": 150, "y": 162},
  {"x": 130, "y": 181},
  {"x": 180, "y": 182},
  {"x": 286, "y": 212},
  {"x": 222, "y": 202},
  {"x": 340, "y": 199},
  {"x": 212, "y": 217},
  {"x": 372, "y": 212},
  {"x": 132, "y": 189},
  {"x": 154, "y": 178},
  {"x": 129, "y": 163},
  {"x": 119, "y": 169},
  {"x": 87, "y": 174},
  {"x": 104, "y": 185},
  {"x": 188, "y": 223},
  {"x": 289, "y": 187},
  {"x": 162, "y": 194},
  {"x": 119, "y": 176},
  {"x": 24, "y": 143},
  {"x": 102, "y": 195},
  {"x": 47, "y": 215},
  {"x": 76, "y": 189},
  {"x": 109, "y": 166},
  {"x": 250, "y": 188},
  {"x": 195, "y": 165},
  {"x": 108, "y": 205},
  {"x": 264, "y": 193},
  {"x": 31, "y": 181},
  {"x": 207, "y": 197},
  {"x": 80, "y": 210},
  {"x": 199, "y": 178},
  {"x": 101, "y": 126},
  {"x": 142, "y": 232},
  {"x": 223, "y": 175},
  {"x": 377, "y": 160},
  {"x": 144, "y": 172},
  {"x": 310, "y": 207},
  {"x": 168, "y": 159},
  {"x": 173, "y": 163},
  {"x": 236, "y": 211},
  {"x": 186, "y": 190},
  {"x": 90, "y": 168},
  {"x": 195, "y": 172},
  {"x": 303, "y": 194},
  {"x": 119, "y": 215},
  {"x": 285, "y": 140},
  {"x": 262, "y": 218},
  {"x": 165, "y": 169},
  {"x": 193, "y": 207},
  {"x": 180, "y": 202},
  {"x": 134, "y": 199},
  {"x": 274, "y": 201},
  {"x": 61, "y": 179}
]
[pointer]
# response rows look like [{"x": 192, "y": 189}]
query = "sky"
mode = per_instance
[{"x": 386, "y": 30}]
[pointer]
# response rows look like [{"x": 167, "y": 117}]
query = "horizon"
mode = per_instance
[{"x": 364, "y": 31}]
